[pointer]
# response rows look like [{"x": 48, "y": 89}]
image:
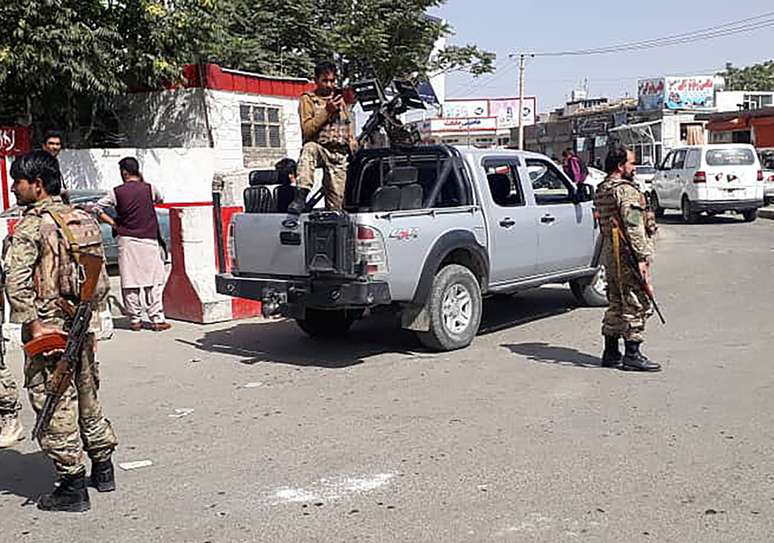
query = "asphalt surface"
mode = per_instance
[{"x": 257, "y": 433}]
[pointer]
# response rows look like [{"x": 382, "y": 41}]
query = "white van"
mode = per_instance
[{"x": 710, "y": 178}]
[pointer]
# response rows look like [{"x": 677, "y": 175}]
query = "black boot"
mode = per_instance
[
  {"x": 634, "y": 360},
  {"x": 611, "y": 357},
  {"x": 70, "y": 495},
  {"x": 102, "y": 476},
  {"x": 298, "y": 204}
]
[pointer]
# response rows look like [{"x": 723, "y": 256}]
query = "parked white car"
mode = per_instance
[{"x": 710, "y": 178}]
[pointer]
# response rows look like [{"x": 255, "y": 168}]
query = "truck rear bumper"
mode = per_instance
[
  {"x": 726, "y": 205},
  {"x": 318, "y": 293}
]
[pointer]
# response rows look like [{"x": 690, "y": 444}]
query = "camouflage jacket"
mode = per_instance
[
  {"x": 30, "y": 263},
  {"x": 320, "y": 126},
  {"x": 622, "y": 199}
]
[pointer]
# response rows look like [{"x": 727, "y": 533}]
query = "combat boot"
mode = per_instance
[
  {"x": 11, "y": 430},
  {"x": 102, "y": 476},
  {"x": 611, "y": 357},
  {"x": 298, "y": 204},
  {"x": 70, "y": 495},
  {"x": 634, "y": 360}
]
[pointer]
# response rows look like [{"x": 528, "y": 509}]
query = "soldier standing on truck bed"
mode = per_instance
[
  {"x": 625, "y": 222},
  {"x": 327, "y": 128}
]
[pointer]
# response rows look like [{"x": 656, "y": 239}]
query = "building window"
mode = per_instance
[
  {"x": 261, "y": 126},
  {"x": 757, "y": 101}
]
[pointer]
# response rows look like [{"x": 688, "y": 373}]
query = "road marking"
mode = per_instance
[{"x": 331, "y": 489}]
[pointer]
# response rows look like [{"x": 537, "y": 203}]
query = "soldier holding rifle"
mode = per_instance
[
  {"x": 54, "y": 275},
  {"x": 628, "y": 230}
]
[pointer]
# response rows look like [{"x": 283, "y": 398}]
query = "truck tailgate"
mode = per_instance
[{"x": 263, "y": 246}]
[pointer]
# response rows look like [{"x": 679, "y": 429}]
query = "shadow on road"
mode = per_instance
[
  {"x": 281, "y": 341},
  {"x": 25, "y": 475},
  {"x": 550, "y": 354},
  {"x": 703, "y": 219}
]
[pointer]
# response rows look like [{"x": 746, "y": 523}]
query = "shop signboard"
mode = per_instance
[
  {"x": 463, "y": 108},
  {"x": 505, "y": 111},
  {"x": 651, "y": 93},
  {"x": 697, "y": 92},
  {"x": 464, "y": 124}
]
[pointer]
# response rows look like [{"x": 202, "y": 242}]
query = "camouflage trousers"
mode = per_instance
[
  {"x": 78, "y": 424},
  {"x": 9, "y": 394},
  {"x": 628, "y": 306},
  {"x": 334, "y": 165}
]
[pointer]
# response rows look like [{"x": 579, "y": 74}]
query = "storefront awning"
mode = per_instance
[{"x": 643, "y": 131}]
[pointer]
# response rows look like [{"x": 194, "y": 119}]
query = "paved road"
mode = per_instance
[{"x": 521, "y": 437}]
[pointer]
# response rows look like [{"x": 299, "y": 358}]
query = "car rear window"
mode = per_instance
[{"x": 730, "y": 157}]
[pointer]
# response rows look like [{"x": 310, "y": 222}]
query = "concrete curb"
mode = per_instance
[{"x": 766, "y": 212}]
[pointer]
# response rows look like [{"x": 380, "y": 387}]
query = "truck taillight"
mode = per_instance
[
  {"x": 231, "y": 246},
  {"x": 700, "y": 177},
  {"x": 760, "y": 175},
  {"x": 371, "y": 250}
]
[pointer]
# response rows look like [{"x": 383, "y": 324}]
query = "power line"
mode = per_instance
[{"x": 748, "y": 24}]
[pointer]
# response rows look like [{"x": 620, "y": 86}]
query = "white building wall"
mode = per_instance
[
  {"x": 731, "y": 100},
  {"x": 167, "y": 132}
]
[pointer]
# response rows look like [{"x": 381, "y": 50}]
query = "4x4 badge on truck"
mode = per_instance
[{"x": 404, "y": 234}]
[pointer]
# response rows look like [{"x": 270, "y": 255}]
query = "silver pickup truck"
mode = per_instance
[{"x": 428, "y": 230}]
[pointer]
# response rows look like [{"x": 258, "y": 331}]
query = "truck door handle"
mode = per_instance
[
  {"x": 507, "y": 222},
  {"x": 547, "y": 219}
]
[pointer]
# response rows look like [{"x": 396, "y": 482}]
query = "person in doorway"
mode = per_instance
[
  {"x": 327, "y": 131},
  {"x": 622, "y": 213},
  {"x": 574, "y": 167},
  {"x": 52, "y": 143},
  {"x": 140, "y": 261}
]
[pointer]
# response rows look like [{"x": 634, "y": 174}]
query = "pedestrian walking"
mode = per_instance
[
  {"x": 42, "y": 280},
  {"x": 622, "y": 212},
  {"x": 574, "y": 167},
  {"x": 140, "y": 261},
  {"x": 327, "y": 129}
]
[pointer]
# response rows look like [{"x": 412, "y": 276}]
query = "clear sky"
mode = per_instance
[{"x": 505, "y": 26}]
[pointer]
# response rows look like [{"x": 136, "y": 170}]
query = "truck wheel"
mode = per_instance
[
  {"x": 750, "y": 215},
  {"x": 690, "y": 216},
  {"x": 591, "y": 291},
  {"x": 326, "y": 324},
  {"x": 454, "y": 305}
]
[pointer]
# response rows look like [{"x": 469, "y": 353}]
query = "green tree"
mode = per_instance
[
  {"x": 758, "y": 77},
  {"x": 367, "y": 38}
]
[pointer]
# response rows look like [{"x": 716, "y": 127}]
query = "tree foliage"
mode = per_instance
[
  {"x": 758, "y": 77},
  {"x": 61, "y": 61}
]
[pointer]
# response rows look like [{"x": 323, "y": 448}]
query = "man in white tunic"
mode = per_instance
[{"x": 140, "y": 261}]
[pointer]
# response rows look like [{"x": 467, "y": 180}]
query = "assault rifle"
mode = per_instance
[
  {"x": 631, "y": 262},
  {"x": 71, "y": 342}
]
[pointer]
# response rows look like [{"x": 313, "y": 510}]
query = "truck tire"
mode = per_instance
[
  {"x": 591, "y": 291},
  {"x": 750, "y": 215},
  {"x": 327, "y": 324},
  {"x": 454, "y": 306}
]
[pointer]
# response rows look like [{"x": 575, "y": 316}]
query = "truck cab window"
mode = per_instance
[
  {"x": 549, "y": 185},
  {"x": 503, "y": 180}
]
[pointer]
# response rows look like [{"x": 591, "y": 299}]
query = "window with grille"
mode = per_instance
[{"x": 261, "y": 126}]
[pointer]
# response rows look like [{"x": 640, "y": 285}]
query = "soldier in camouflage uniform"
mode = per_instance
[
  {"x": 620, "y": 204},
  {"x": 327, "y": 130},
  {"x": 11, "y": 430},
  {"x": 33, "y": 265}
]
